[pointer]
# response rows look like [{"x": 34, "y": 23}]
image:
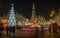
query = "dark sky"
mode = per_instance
[{"x": 43, "y": 7}]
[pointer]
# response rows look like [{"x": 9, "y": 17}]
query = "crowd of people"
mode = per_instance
[
  {"x": 10, "y": 29},
  {"x": 53, "y": 26}
]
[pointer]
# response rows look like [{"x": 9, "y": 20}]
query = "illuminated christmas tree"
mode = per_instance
[{"x": 12, "y": 19}]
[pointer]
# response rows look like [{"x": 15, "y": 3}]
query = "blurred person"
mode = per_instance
[
  {"x": 59, "y": 27},
  {"x": 50, "y": 27},
  {"x": 7, "y": 29},
  {"x": 55, "y": 28},
  {"x": 55, "y": 31},
  {"x": 13, "y": 29},
  {"x": 10, "y": 30}
]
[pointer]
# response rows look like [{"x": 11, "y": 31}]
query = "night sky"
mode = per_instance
[{"x": 43, "y": 7}]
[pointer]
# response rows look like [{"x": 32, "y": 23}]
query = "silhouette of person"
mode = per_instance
[
  {"x": 13, "y": 30},
  {"x": 7, "y": 29},
  {"x": 10, "y": 30},
  {"x": 55, "y": 27},
  {"x": 55, "y": 31}
]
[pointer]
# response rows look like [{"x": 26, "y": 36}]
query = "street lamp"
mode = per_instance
[{"x": 52, "y": 14}]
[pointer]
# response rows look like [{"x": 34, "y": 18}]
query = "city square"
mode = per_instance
[{"x": 29, "y": 19}]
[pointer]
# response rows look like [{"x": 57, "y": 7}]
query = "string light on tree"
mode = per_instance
[{"x": 12, "y": 19}]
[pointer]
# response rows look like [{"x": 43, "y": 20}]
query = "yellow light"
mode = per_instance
[
  {"x": 34, "y": 25},
  {"x": 51, "y": 15},
  {"x": 4, "y": 20},
  {"x": 30, "y": 23},
  {"x": 53, "y": 12},
  {"x": 19, "y": 23}
]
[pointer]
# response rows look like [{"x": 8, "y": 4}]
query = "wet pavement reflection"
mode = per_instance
[{"x": 30, "y": 34}]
